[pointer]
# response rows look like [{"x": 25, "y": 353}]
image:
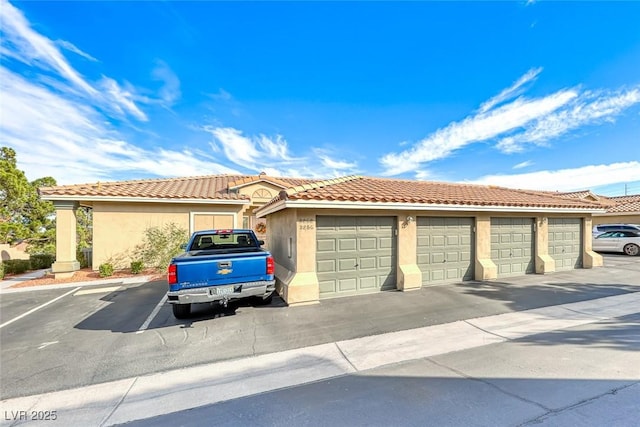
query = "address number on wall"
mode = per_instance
[{"x": 306, "y": 224}]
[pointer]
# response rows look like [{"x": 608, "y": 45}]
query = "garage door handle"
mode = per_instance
[{"x": 356, "y": 265}]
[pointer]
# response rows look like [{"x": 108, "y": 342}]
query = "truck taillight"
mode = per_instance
[
  {"x": 172, "y": 274},
  {"x": 270, "y": 265}
]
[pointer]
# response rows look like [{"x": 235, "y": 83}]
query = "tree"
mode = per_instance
[{"x": 23, "y": 215}]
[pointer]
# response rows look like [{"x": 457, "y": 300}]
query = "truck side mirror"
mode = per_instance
[
  {"x": 183, "y": 246},
  {"x": 260, "y": 242}
]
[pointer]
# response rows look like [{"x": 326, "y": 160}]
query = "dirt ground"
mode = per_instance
[{"x": 86, "y": 275}]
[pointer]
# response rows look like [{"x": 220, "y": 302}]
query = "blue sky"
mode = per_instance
[{"x": 542, "y": 95}]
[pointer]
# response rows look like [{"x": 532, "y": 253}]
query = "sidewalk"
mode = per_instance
[
  {"x": 7, "y": 283},
  {"x": 167, "y": 392}
]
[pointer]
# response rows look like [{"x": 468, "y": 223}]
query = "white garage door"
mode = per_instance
[
  {"x": 445, "y": 249},
  {"x": 512, "y": 246},
  {"x": 355, "y": 255},
  {"x": 565, "y": 242}
]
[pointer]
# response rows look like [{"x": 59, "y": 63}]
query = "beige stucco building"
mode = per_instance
[
  {"x": 355, "y": 235},
  {"x": 122, "y": 211},
  {"x": 345, "y": 236}
]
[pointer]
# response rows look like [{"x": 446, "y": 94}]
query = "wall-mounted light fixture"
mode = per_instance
[{"x": 410, "y": 219}]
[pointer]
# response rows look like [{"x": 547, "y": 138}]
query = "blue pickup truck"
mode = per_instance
[{"x": 220, "y": 266}]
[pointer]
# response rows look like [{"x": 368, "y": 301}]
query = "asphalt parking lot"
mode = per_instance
[{"x": 93, "y": 334}]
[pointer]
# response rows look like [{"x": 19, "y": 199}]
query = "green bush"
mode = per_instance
[
  {"x": 84, "y": 263},
  {"x": 16, "y": 266},
  {"x": 136, "y": 267},
  {"x": 105, "y": 270},
  {"x": 1, "y": 270},
  {"x": 40, "y": 261},
  {"x": 160, "y": 244}
]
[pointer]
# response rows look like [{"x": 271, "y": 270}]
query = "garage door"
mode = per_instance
[
  {"x": 355, "y": 255},
  {"x": 445, "y": 249},
  {"x": 565, "y": 242},
  {"x": 512, "y": 246}
]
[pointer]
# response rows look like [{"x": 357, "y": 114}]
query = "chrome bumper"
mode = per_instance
[{"x": 208, "y": 294}]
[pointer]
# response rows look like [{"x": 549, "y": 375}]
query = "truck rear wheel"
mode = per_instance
[{"x": 180, "y": 311}]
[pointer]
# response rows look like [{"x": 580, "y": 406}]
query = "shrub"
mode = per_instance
[
  {"x": 16, "y": 266},
  {"x": 136, "y": 267},
  {"x": 105, "y": 270},
  {"x": 40, "y": 261},
  {"x": 1, "y": 270},
  {"x": 84, "y": 263},
  {"x": 160, "y": 244}
]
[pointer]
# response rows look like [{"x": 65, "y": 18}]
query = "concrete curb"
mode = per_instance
[
  {"x": 120, "y": 281},
  {"x": 166, "y": 392}
]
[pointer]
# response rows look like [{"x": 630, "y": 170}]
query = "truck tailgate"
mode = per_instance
[{"x": 211, "y": 270}]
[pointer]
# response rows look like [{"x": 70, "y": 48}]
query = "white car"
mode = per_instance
[
  {"x": 601, "y": 228},
  {"x": 618, "y": 241}
]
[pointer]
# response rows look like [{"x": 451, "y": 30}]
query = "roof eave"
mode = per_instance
[
  {"x": 54, "y": 198},
  {"x": 316, "y": 204}
]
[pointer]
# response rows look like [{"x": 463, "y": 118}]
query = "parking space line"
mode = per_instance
[
  {"x": 153, "y": 314},
  {"x": 38, "y": 307}
]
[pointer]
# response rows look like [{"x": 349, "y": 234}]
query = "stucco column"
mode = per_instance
[
  {"x": 485, "y": 269},
  {"x": 303, "y": 287},
  {"x": 66, "y": 263},
  {"x": 544, "y": 262},
  {"x": 590, "y": 258},
  {"x": 409, "y": 275}
]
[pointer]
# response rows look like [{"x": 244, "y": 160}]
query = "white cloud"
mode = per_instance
[
  {"x": 516, "y": 123},
  {"x": 32, "y": 48},
  {"x": 567, "y": 179},
  {"x": 73, "y": 48},
  {"x": 481, "y": 127},
  {"x": 514, "y": 90},
  {"x": 73, "y": 142},
  {"x": 523, "y": 164},
  {"x": 22, "y": 43},
  {"x": 589, "y": 108},
  {"x": 122, "y": 99},
  {"x": 170, "y": 91},
  {"x": 262, "y": 153}
]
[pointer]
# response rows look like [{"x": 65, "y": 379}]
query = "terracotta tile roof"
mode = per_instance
[
  {"x": 625, "y": 204},
  {"x": 614, "y": 205},
  {"x": 213, "y": 187},
  {"x": 280, "y": 182},
  {"x": 368, "y": 189}
]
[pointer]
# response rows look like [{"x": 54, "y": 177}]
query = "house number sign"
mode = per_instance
[{"x": 306, "y": 224}]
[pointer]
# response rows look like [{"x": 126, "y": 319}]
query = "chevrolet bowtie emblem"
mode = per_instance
[{"x": 225, "y": 271}]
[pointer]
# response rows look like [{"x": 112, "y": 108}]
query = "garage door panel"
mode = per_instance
[
  {"x": 327, "y": 286},
  {"x": 346, "y": 285},
  {"x": 324, "y": 266},
  {"x": 566, "y": 242},
  {"x": 365, "y": 255},
  {"x": 347, "y": 264},
  {"x": 386, "y": 243},
  {"x": 348, "y": 244},
  {"x": 512, "y": 246},
  {"x": 367, "y": 263},
  {"x": 445, "y": 249},
  {"x": 386, "y": 262},
  {"x": 368, "y": 282},
  {"x": 326, "y": 245},
  {"x": 367, "y": 243}
]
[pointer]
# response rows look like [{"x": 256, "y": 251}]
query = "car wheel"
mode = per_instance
[
  {"x": 180, "y": 311},
  {"x": 631, "y": 249}
]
